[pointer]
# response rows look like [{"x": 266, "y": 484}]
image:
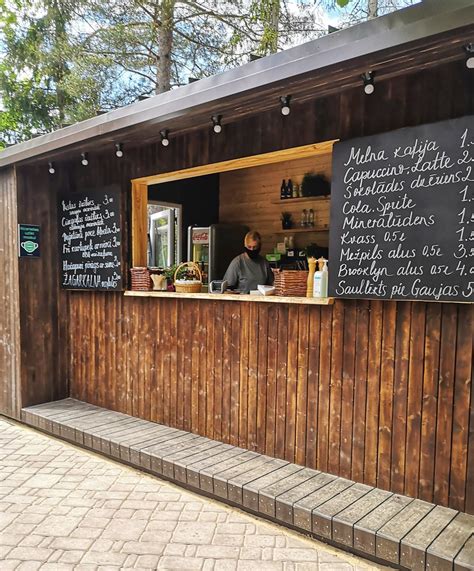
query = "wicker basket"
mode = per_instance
[
  {"x": 140, "y": 279},
  {"x": 292, "y": 283},
  {"x": 188, "y": 286}
]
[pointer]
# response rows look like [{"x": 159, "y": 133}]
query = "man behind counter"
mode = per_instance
[{"x": 249, "y": 269}]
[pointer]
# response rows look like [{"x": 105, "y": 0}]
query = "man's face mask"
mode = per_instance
[{"x": 252, "y": 254}]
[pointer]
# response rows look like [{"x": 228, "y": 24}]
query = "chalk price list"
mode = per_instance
[
  {"x": 90, "y": 241},
  {"x": 407, "y": 225}
]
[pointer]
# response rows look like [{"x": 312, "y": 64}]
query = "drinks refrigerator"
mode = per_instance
[{"x": 214, "y": 247}]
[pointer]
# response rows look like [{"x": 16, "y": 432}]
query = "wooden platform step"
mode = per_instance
[{"x": 390, "y": 528}]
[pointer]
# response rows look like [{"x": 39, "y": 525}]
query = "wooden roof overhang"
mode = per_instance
[{"x": 424, "y": 35}]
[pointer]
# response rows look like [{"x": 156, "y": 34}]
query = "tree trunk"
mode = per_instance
[
  {"x": 274, "y": 20},
  {"x": 165, "y": 45},
  {"x": 372, "y": 9},
  {"x": 59, "y": 70}
]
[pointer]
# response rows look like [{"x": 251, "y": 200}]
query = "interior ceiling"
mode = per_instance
[{"x": 388, "y": 64}]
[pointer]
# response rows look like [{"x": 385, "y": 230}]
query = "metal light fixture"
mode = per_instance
[
  {"x": 84, "y": 159},
  {"x": 118, "y": 150},
  {"x": 368, "y": 80},
  {"x": 285, "y": 104},
  {"x": 51, "y": 168},
  {"x": 469, "y": 49},
  {"x": 216, "y": 123},
  {"x": 164, "y": 137}
]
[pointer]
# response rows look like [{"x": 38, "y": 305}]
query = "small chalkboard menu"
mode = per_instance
[
  {"x": 90, "y": 239},
  {"x": 402, "y": 217}
]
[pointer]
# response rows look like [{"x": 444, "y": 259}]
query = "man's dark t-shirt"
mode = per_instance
[{"x": 245, "y": 274}]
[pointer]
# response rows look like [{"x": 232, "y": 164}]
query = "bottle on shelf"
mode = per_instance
[
  {"x": 283, "y": 190},
  {"x": 304, "y": 218},
  {"x": 311, "y": 217},
  {"x": 291, "y": 189}
]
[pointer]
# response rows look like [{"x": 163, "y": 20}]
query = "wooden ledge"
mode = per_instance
[{"x": 235, "y": 297}]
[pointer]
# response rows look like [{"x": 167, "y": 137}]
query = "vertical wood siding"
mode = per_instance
[
  {"x": 9, "y": 298},
  {"x": 380, "y": 392}
]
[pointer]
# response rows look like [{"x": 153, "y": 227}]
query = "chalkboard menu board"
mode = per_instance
[
  {"x": 90, "y": 239},
  {"x": 402, "y": 220}
]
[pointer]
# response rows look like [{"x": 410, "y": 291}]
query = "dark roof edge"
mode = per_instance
[{"x": 429, "y": 18}]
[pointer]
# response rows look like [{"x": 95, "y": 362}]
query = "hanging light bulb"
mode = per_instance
[
  {"x": 368, "y": 80},
  {"x": 51, "y": 168},
  {"x": 285, "y": 104},
  {"x": 216, "y": 123},
  {"x": 84, "y": 159},
  {"x": 164, "y": 137},
  {"x": 118, "y": 150},
  {"x": 469, "y": 49}
]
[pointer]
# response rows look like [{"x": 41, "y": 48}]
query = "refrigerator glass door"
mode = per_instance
[
  {"x": 164, "y": 234},
  {"x": 199, "y": 249}
]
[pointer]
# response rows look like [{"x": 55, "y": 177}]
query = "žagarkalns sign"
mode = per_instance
[
  {"x": 90, "y": 239},
  {"x": 28, "y": 241}
]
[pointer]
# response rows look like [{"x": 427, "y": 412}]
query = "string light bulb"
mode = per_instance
[
  {"x": 51, "y": 168},
  {"x": 368, "y": 80},
  {"x": 164, "y": 137},
  {"x": 469, "y": 49},
  {"x": 216, "y": 123},
  {"x": 84, "y": 159},
  {"x": 118, "y": 150},
  {"x": 285, "y": 104}
]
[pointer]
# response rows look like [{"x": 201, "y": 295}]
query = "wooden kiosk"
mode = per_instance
[{"x": 375, "y": 387}]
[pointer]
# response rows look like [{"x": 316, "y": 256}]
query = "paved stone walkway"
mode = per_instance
[{"x": 62, "y": 507}]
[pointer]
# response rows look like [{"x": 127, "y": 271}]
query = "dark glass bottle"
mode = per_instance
[
  {"x": 289, "y": 191},
  {"x": 283, "y": 190}
]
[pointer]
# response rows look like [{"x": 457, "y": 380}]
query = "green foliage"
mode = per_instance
[{"x": 62, "y": 60}]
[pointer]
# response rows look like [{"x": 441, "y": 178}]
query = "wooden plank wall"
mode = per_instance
[
  {"x": 252, "y": 197},
  {"x": 379, "y": 392},
  {"x": 43, "y": 303},
  {"x": 9, "y": 298}
]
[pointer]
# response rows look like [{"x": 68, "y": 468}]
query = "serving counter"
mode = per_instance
[{"x": 235, "y": 297}]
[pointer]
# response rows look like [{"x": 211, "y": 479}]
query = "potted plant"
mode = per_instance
[
  {"x": 286, "y": 221},
  {"x": 315, "y": 185}
]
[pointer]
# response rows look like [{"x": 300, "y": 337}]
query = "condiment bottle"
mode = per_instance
[
  {"x": 320, "y": 287},
  {"x": 310, "y": 282}
]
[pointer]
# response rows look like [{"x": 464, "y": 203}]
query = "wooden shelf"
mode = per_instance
[
  {"x": 234, "y": 297},
  {"x": 298, "y": 230},
  {"x": 302, "y": 200}
]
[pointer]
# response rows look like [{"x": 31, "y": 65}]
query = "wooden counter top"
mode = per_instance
[{"x": 235, "y": 297}]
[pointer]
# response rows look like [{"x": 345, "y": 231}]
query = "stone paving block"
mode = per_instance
[
  {"x": 126, "y": 529},
  {"x": 262, "y": 566},
  {"x": 30, "y": 554},
  {"x": 147, "y": 562},
  {"x": 194, "y": 533},
  {"x": 218, "y": 551},
  {"x": 177, "y": 563},
  {"x": 465, "y": 558}
]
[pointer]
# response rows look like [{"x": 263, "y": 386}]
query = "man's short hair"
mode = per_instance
[{"x": 252, "y": 235}]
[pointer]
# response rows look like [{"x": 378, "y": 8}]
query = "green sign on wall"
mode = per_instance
[{"x": 28, "y": 241}]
